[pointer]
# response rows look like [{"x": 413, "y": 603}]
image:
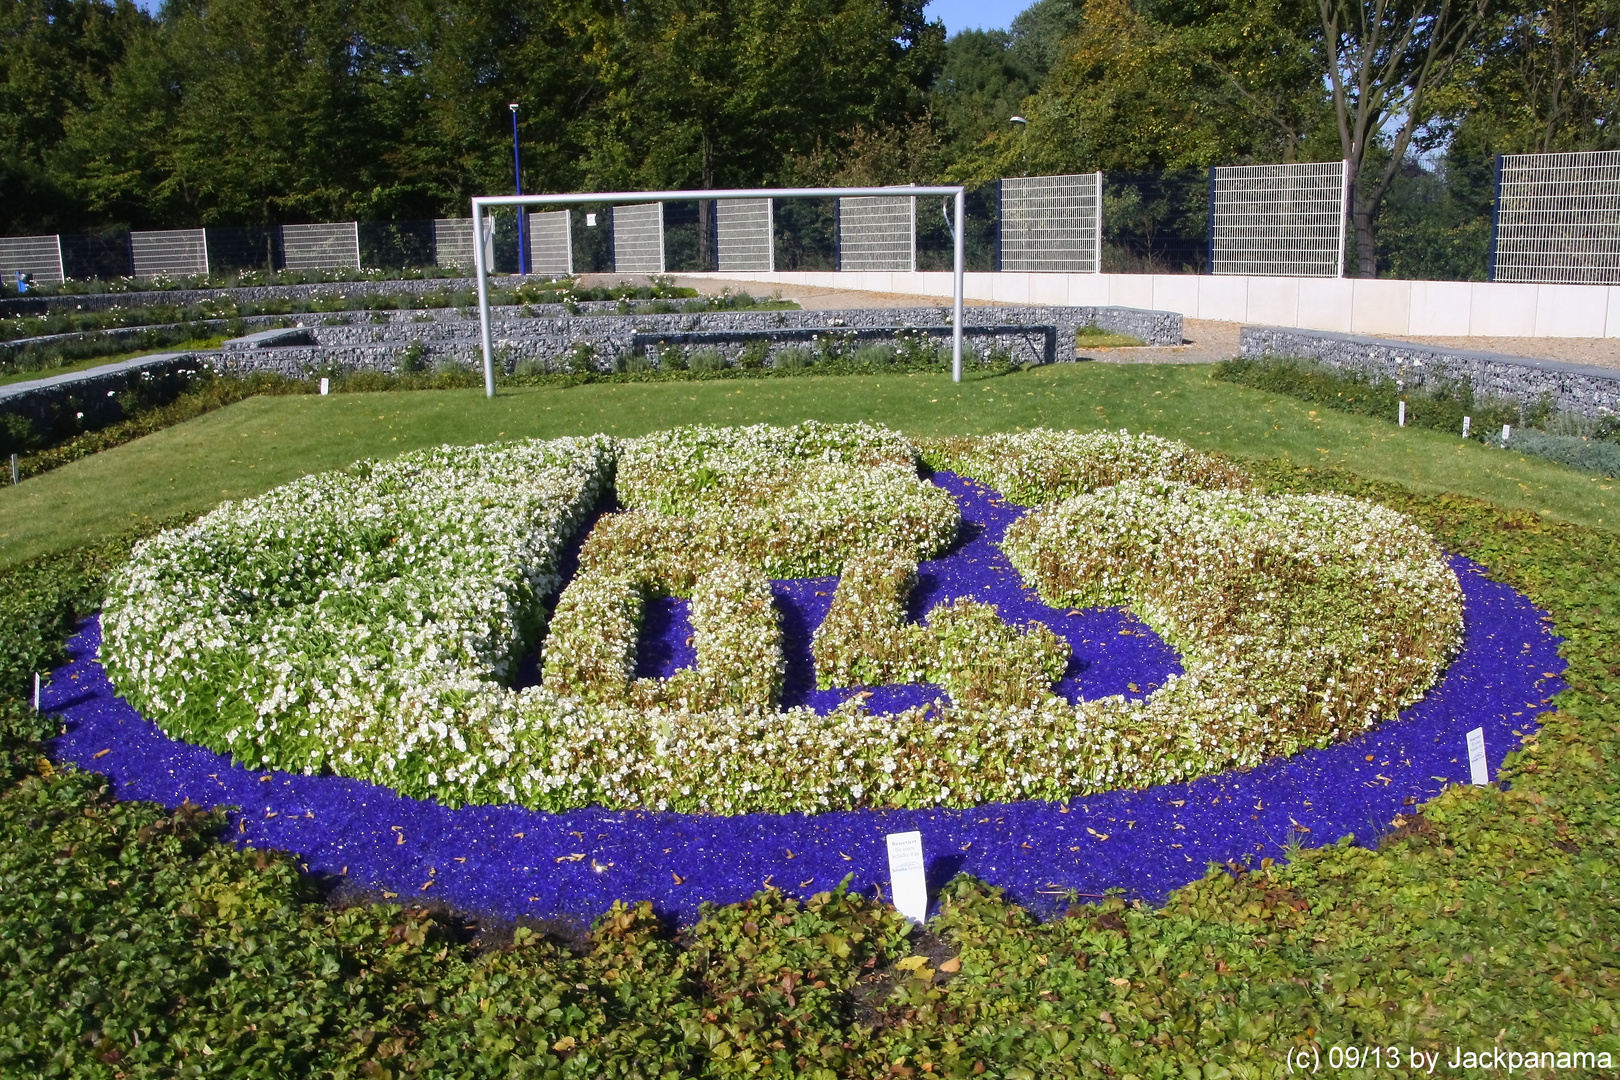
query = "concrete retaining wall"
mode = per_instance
[
  {"x": 1343, "y": 305},
  {"x": 1576, "y": 388}
]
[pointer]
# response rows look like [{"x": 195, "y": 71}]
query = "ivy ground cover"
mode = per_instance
[{"x": 519, "y": 862}]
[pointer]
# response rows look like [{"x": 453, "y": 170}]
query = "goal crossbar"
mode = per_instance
[{"x": 482, "y": 203}]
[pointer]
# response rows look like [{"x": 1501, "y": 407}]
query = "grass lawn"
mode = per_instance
[{"x": 254, "y": 445}]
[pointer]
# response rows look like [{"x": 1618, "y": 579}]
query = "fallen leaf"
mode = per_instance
[{"x": 100, "y": 753}]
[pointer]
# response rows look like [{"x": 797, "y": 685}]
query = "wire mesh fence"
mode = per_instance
[
  {"x": 1283, "y": 220},
  {"x": 38, "y": 257},
  {"x": 1051, "y": 224},
  {"x": 877, "y": 232},
  {"x": 1559, "y": 221},
  {"x": 321, "y": 247},
  {"x": 172, "y": 252},
  {"x": 638, "y": 238},
  {"x": 1558, "y": 218},
  {"x": 744, "y": 237},
  {"x": 551, "y": 246},
  {"x": 453, "y": 242}
]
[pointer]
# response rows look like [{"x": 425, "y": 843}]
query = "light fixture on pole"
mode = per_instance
[
  {"x": 1023, "y": 127},
  {"x": 517, "y": 186}
]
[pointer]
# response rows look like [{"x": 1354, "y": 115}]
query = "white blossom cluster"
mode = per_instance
[
  {"x": 285, "y": 629},
  {"x": 1301, "y": 620},
  {"x": 965, "y": 646},
  {"x": 1033, "y": 467},
  {"x": 366, "y": 621}
]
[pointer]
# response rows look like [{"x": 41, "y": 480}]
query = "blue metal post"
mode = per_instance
[
  {"x": 517, "y": 189},
  {"x": 1496, "y": 218},
  {"x": 1212, "y": 219}
]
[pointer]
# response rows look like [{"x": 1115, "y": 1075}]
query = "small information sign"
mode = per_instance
[
  {"x": 908, "y": 887},
  {"x": 1479, "y": 770}
]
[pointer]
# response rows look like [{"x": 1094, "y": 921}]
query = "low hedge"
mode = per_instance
[{"x": 132, "y": 944}]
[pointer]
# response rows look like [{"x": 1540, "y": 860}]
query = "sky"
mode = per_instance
[
  {"x": 956, "y": 14},
  {"x": 975, "y": 14}
]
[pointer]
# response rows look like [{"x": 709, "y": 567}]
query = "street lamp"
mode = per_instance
[
  {"x": 517, "y": 186},
  {"x": 1024, "y": 130}
]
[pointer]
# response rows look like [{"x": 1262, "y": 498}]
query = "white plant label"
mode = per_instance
[
  {"x": 590, "y": 221},
  {"x": 1403, "y": 414},
  {"x": 326, "y": 386},
  {"x": 1468, "y": 422},
  {"x": 908, "y": 887},
  {"x": 1478, "y": 769}
]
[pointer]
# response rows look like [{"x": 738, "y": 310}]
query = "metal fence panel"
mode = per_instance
[
  {"x": 744, "y": 235},
  {"x": 1558, "y": 218},
  {"x": 877, "y": 232},
  {"x": 638, "y": 238},
  {"x": 40, "y": 256},
  {"x": 1281, "y": 220},
  {"x": 453, "y": 241},
  {"x": 171, "y": 253},
  {"x": 1052, "y": 224},
  {"x": 551, "y": 244},
  {"x": 321, "y": 247}
]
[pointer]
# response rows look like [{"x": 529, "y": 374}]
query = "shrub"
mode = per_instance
[
  {"x": 794, "y": 358},
  {"x": 1591, "y": 455},
  {"x": 707, "y": 359}
]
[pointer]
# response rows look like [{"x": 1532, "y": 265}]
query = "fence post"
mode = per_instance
[
  {"x": 956, "y": 299},
  {"x": 1211, "y": 219},
  {"x": 1496, "y": 216}
]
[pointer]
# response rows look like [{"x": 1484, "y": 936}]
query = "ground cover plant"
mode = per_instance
[
  {"x": 1485, "y": 920},
  {"x": 1589, "y": 444}
]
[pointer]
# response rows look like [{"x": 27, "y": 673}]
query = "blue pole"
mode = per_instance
[{"x": 517, "y": 185}]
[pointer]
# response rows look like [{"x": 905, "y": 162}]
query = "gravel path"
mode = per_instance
[{"x": 1599, "y": 352}]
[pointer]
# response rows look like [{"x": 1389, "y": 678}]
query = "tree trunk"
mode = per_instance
[
  {"x": 705, "y": 244},
  {"x": 1361, "y": 219}
]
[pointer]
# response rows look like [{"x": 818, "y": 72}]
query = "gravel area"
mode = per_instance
[{"x": 1599, "y": 352}]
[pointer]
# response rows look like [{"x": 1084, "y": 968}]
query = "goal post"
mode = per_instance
[{"x": 483, "y": 203}]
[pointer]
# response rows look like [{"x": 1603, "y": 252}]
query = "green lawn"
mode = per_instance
[{"x": 259, "y": 443}]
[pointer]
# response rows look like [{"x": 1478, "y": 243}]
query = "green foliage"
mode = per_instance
[
  {"x": 252, "y": 111},
  {"x": 1441, "y": 407},
  {"x": 1483, "y": 914}
]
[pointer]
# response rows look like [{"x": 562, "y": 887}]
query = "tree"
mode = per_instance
[
  {"x": 1167, "y": 86},
  {"x": 981, "y": 85},
  {"x": 1384, "y": 58},
  {"x": 55, "y": 56},
  {"x": 1542, "y": 77},
  {"x": 706, "y": 93}
]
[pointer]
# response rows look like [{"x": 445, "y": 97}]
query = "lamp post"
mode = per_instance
[
  {"x": 1023, "y": 131},
  {"x": 517, "y": 189}
]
